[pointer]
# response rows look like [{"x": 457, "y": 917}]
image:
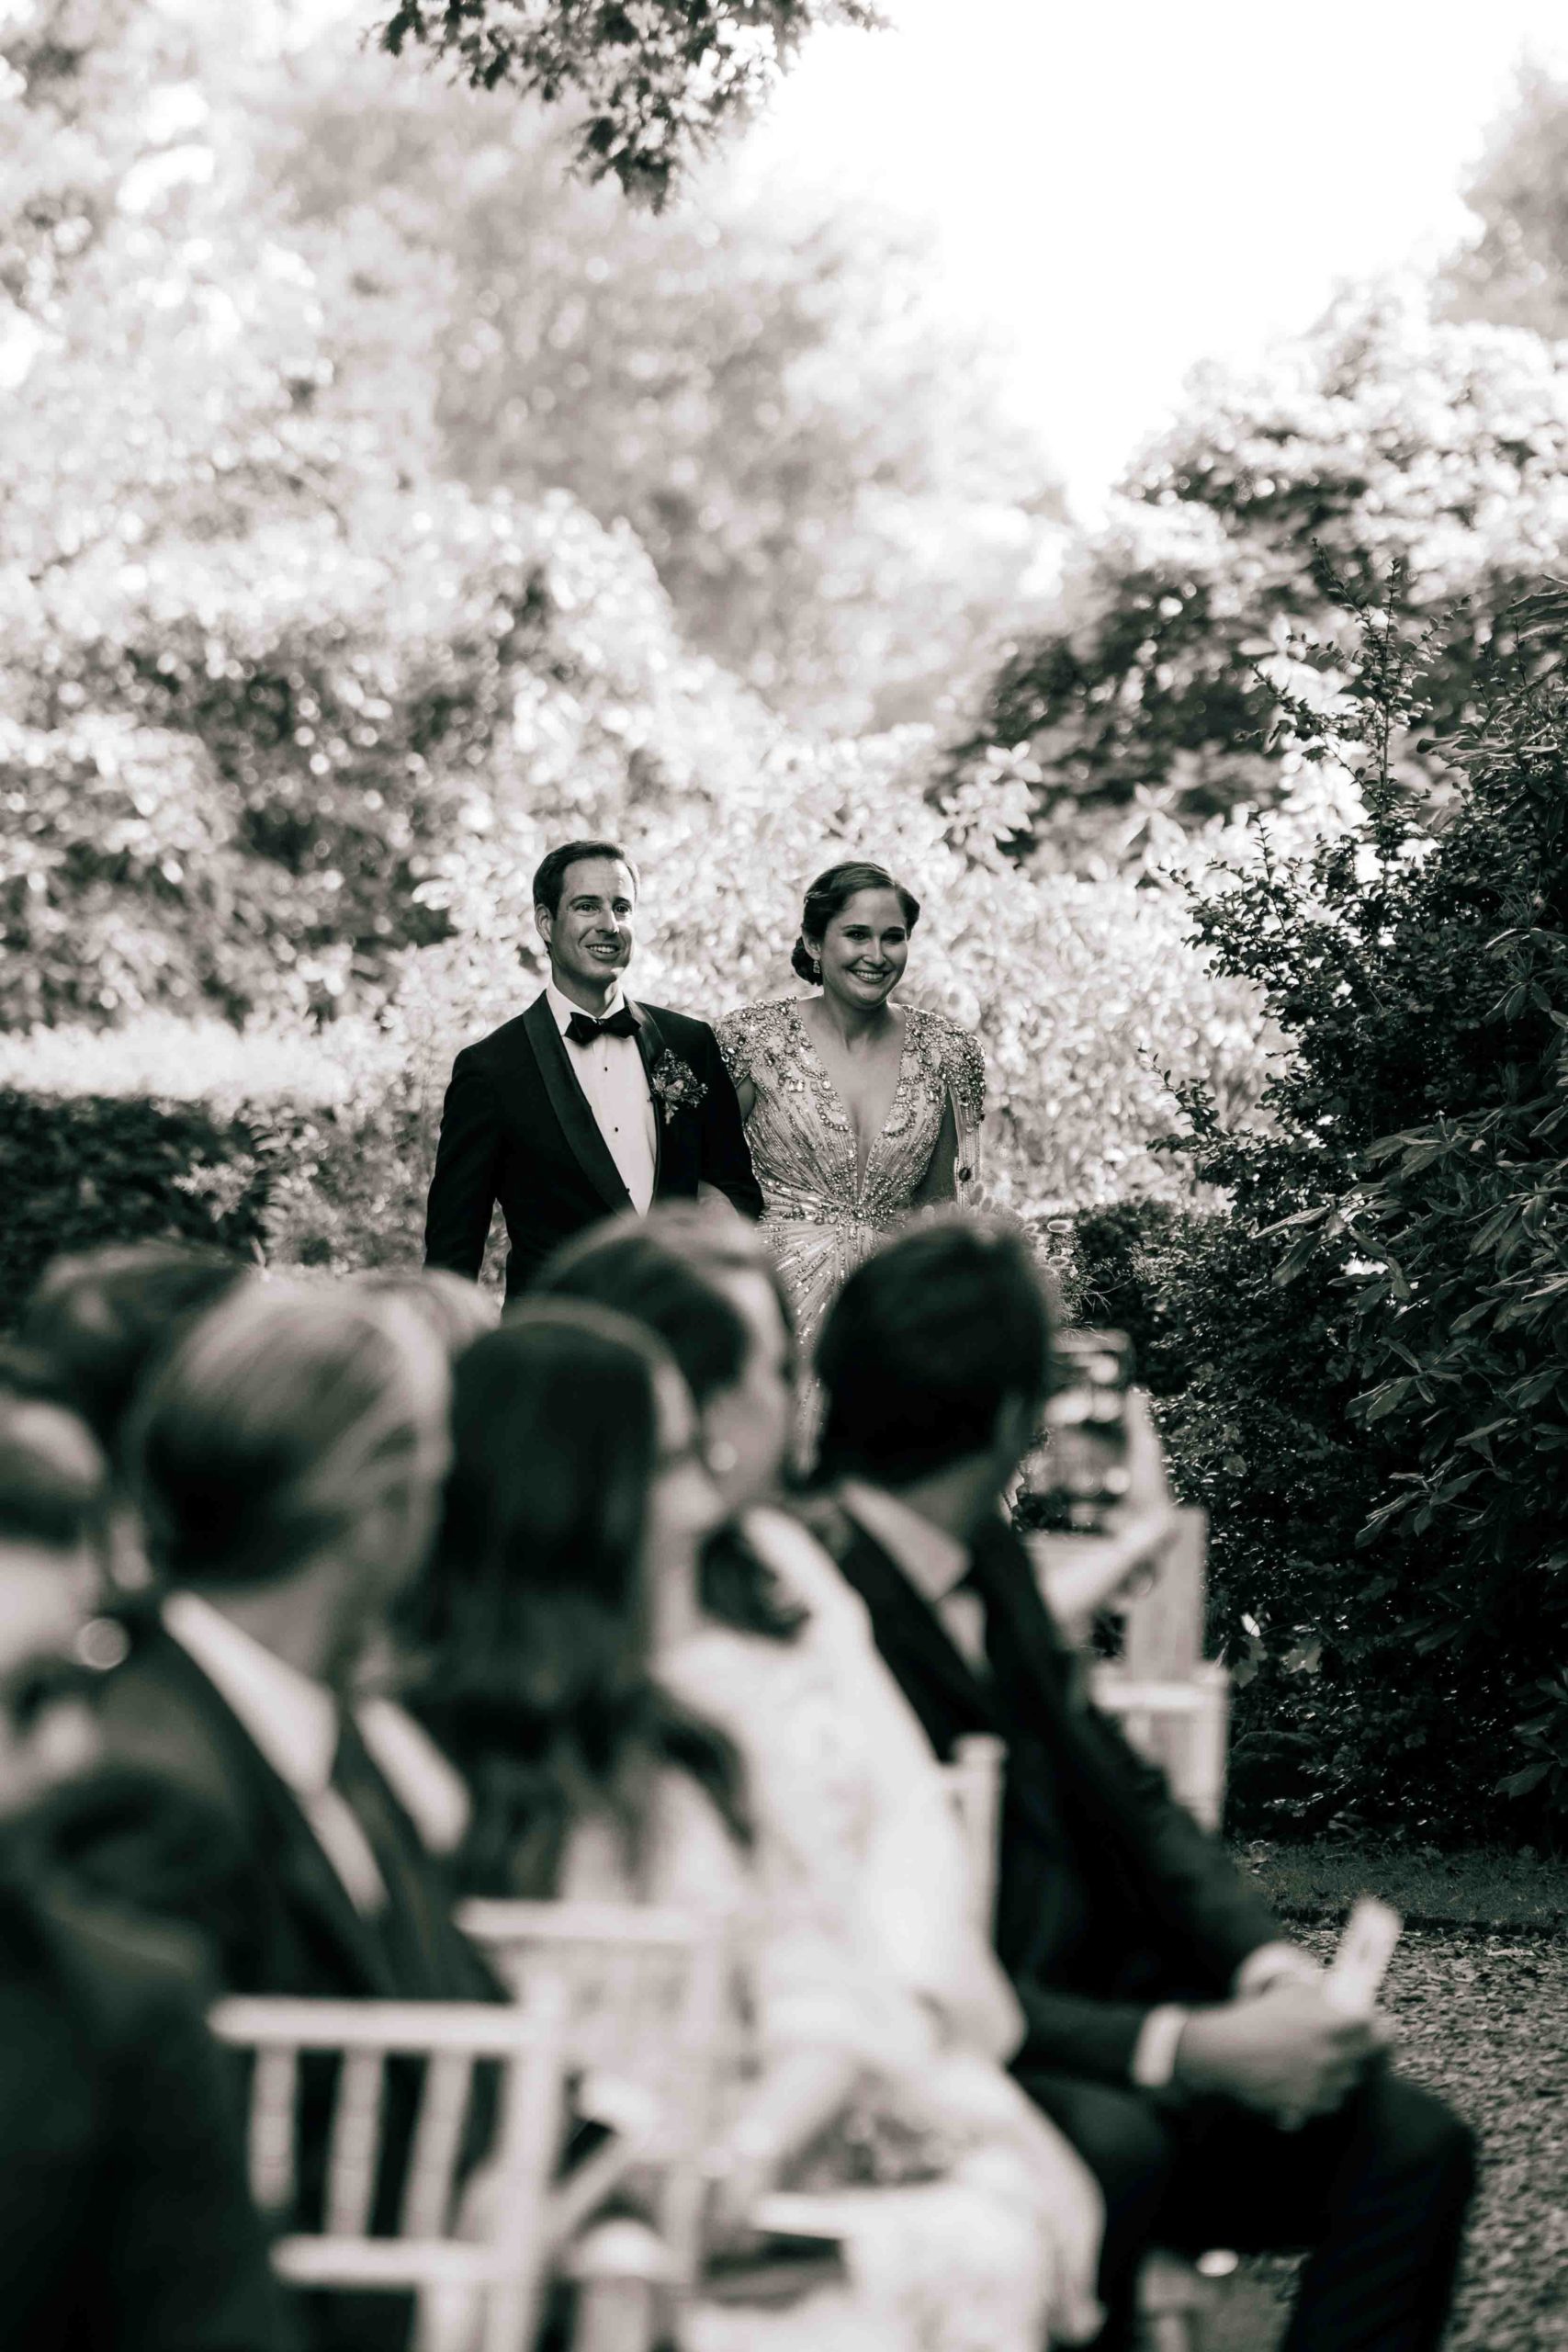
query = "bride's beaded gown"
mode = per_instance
[{"x": 823, "y": 1212}]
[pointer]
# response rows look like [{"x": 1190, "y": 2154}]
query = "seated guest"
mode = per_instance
[
  {"x": 97, "y": 1324},
  {"x": 1188, "y": 2053},
  {"x": 286, "y": 1461},
  {"x": 622, "y": 1743},
  {"x": 709, "y": 1289},
  {"x": 128, "y": 2227}
]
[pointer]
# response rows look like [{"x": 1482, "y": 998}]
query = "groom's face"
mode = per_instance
[{"x": 589, "y": 935}]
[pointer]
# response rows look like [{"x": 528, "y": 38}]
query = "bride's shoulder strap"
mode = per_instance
[
  {"x": 740, "y": 1034},
  {"x": 963, "y": 1064}
]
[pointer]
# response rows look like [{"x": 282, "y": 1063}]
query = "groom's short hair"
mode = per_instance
[
  {"x": 551, "y": 878},
  {"x": 925, "y": 1343}
]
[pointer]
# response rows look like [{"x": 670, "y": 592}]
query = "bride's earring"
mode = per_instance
[{"x": 817, "y": 968}]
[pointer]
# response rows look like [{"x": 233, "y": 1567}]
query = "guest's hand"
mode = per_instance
[{"x": 1286, "y": 2054}]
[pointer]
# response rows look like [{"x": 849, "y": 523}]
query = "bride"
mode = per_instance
[{"x": 856, "y": 1112}]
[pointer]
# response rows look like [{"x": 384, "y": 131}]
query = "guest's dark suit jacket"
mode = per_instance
[
  {"x": 1110, "y": 1897},
  {"x": 229, "y": 1851},
  {"x": 189, "y": 1821},
  {"x": 128, "y": 2226},
  {"x": 516, "y": 1128}
]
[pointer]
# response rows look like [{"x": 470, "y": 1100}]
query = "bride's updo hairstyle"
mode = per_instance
[{"x": 830, "y": 894}]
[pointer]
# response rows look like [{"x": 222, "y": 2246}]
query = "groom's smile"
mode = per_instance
[{"x": 590, "y": 934}]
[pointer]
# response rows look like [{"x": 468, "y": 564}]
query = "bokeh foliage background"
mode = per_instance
[{"x": 381, "y": 496}]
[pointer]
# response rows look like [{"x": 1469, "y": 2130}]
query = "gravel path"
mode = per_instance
[{"x": 1483, "y": 2019}]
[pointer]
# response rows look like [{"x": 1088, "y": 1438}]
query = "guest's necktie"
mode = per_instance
[
  {"x": 583, "y": 1028},
  {"x": 402, "y": 1927}
]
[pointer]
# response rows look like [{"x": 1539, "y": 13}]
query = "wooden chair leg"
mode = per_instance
[
  {"x": 616, "y": 2315},
  {"x": 622, "y": 2273}
]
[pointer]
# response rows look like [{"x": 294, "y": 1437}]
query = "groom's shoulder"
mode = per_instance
[
  {"x": 681, "y": 1028},
  {"x": 498, "y": 1046}
]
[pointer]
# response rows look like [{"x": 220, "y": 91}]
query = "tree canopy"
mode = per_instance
[
  {"x": 762, "y": 380},
  {"x": 652, "y": 82},
  {"x": 1385, "y": 438},
  {"x": 1515, "y": 273}
]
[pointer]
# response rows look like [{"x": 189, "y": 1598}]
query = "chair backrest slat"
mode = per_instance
[
  {"x": 973, "y": 1781},
  {"x": 438, "y": 2138},
  {"x": 273, "y": 2092},
  {"x": 355, "y": 2144}
]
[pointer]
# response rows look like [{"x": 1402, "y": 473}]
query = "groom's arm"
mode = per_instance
[
  {"x": 467, "y": 1164},
  {"x": 726, "y": 1162}
]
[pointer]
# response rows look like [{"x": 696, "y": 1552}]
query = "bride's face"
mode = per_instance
[{"x": 865, "y": 948}]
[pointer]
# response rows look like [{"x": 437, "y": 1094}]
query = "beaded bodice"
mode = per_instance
[{"x": 802, "y": 1139}]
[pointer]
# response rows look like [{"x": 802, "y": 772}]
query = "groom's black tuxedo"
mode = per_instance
[
  {"x": 1111, "y": 1900},
  {"x": 516, "y": 1127}
]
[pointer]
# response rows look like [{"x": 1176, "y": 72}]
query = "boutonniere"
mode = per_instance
[{"x": 676, "y": 1085}]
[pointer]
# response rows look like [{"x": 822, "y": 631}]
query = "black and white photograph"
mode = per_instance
[{"x": 784, "y": 1176}]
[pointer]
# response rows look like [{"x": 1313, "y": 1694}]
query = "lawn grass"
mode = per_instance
[{"x": 1481, "y": 1890}]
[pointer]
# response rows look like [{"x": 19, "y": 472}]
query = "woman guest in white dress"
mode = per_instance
[
  {"x": 857, "y": 1112},
  {"x": 623, "y": 1743},
  {"x": 762, "y": 1572}
]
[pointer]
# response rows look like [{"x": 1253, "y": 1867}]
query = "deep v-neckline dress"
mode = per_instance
[{"x": 822, "y": 1213}]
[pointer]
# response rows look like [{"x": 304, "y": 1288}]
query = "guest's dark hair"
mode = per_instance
[
  {"x": 101, "y": 1322},
  {"x": 530, "y": 1626},
  {"x": 924, "y": 1344},
  {"x": 831, "y": 893},
  {"x": 664, "y": 1269},
  {"x": 284, "y": 1419},
  {"x": 550, "y": 875},
  {"x": 52, "y": 1477}
]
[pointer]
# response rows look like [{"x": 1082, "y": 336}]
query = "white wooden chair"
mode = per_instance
[
  {"x": 1174, "y": 1705},
  {"x": 1172, "y": 1702},
  {"x": 647, "y": 2032},
  {"x": 973, "y": 1781},
  {"x": 495, "y": 2279}
]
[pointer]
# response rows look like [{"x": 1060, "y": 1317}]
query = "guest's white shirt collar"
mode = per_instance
[
  {"x": 292, "y": 1719},
  {"x": 934, "y": 1562},
  {"x": 564, "y": 1009},
  {"x": 294, "y": 1722}
]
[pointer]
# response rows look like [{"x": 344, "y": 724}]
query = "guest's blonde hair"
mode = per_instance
[
  {"x": 285, "y": 1419},
  {"x": 459, "y": 1312}
]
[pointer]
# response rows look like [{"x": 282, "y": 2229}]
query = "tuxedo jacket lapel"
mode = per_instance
[
  {"x": 568, "y": 1102},
  {"x": 650, "y": 1045},
  {"x": 949, "y": 1696},
  {"x": 944, "y": 1691}
]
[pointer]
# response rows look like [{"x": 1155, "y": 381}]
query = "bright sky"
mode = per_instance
[{"x": 1129, "y": 187}]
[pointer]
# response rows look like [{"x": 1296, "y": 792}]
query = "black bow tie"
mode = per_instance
[{"x": 583, "y": 1028}]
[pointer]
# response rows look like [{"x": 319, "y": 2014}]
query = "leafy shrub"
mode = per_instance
[
  {"x": 277, "y": 1148},
  {"x": 1362, "y": 1358},
  {"x": 77, "y": 1172}
]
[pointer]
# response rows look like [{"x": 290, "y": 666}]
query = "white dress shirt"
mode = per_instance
[
  {"x": 936, "y": 1563},
  {"x": 294, "y": 1723},
  {"x": 611, "y": 1074}
]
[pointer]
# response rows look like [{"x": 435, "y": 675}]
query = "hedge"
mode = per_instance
[{"x": 294, "y": 1154}]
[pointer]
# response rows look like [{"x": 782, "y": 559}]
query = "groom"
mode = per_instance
[{"x": 587, "y": 1103}]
